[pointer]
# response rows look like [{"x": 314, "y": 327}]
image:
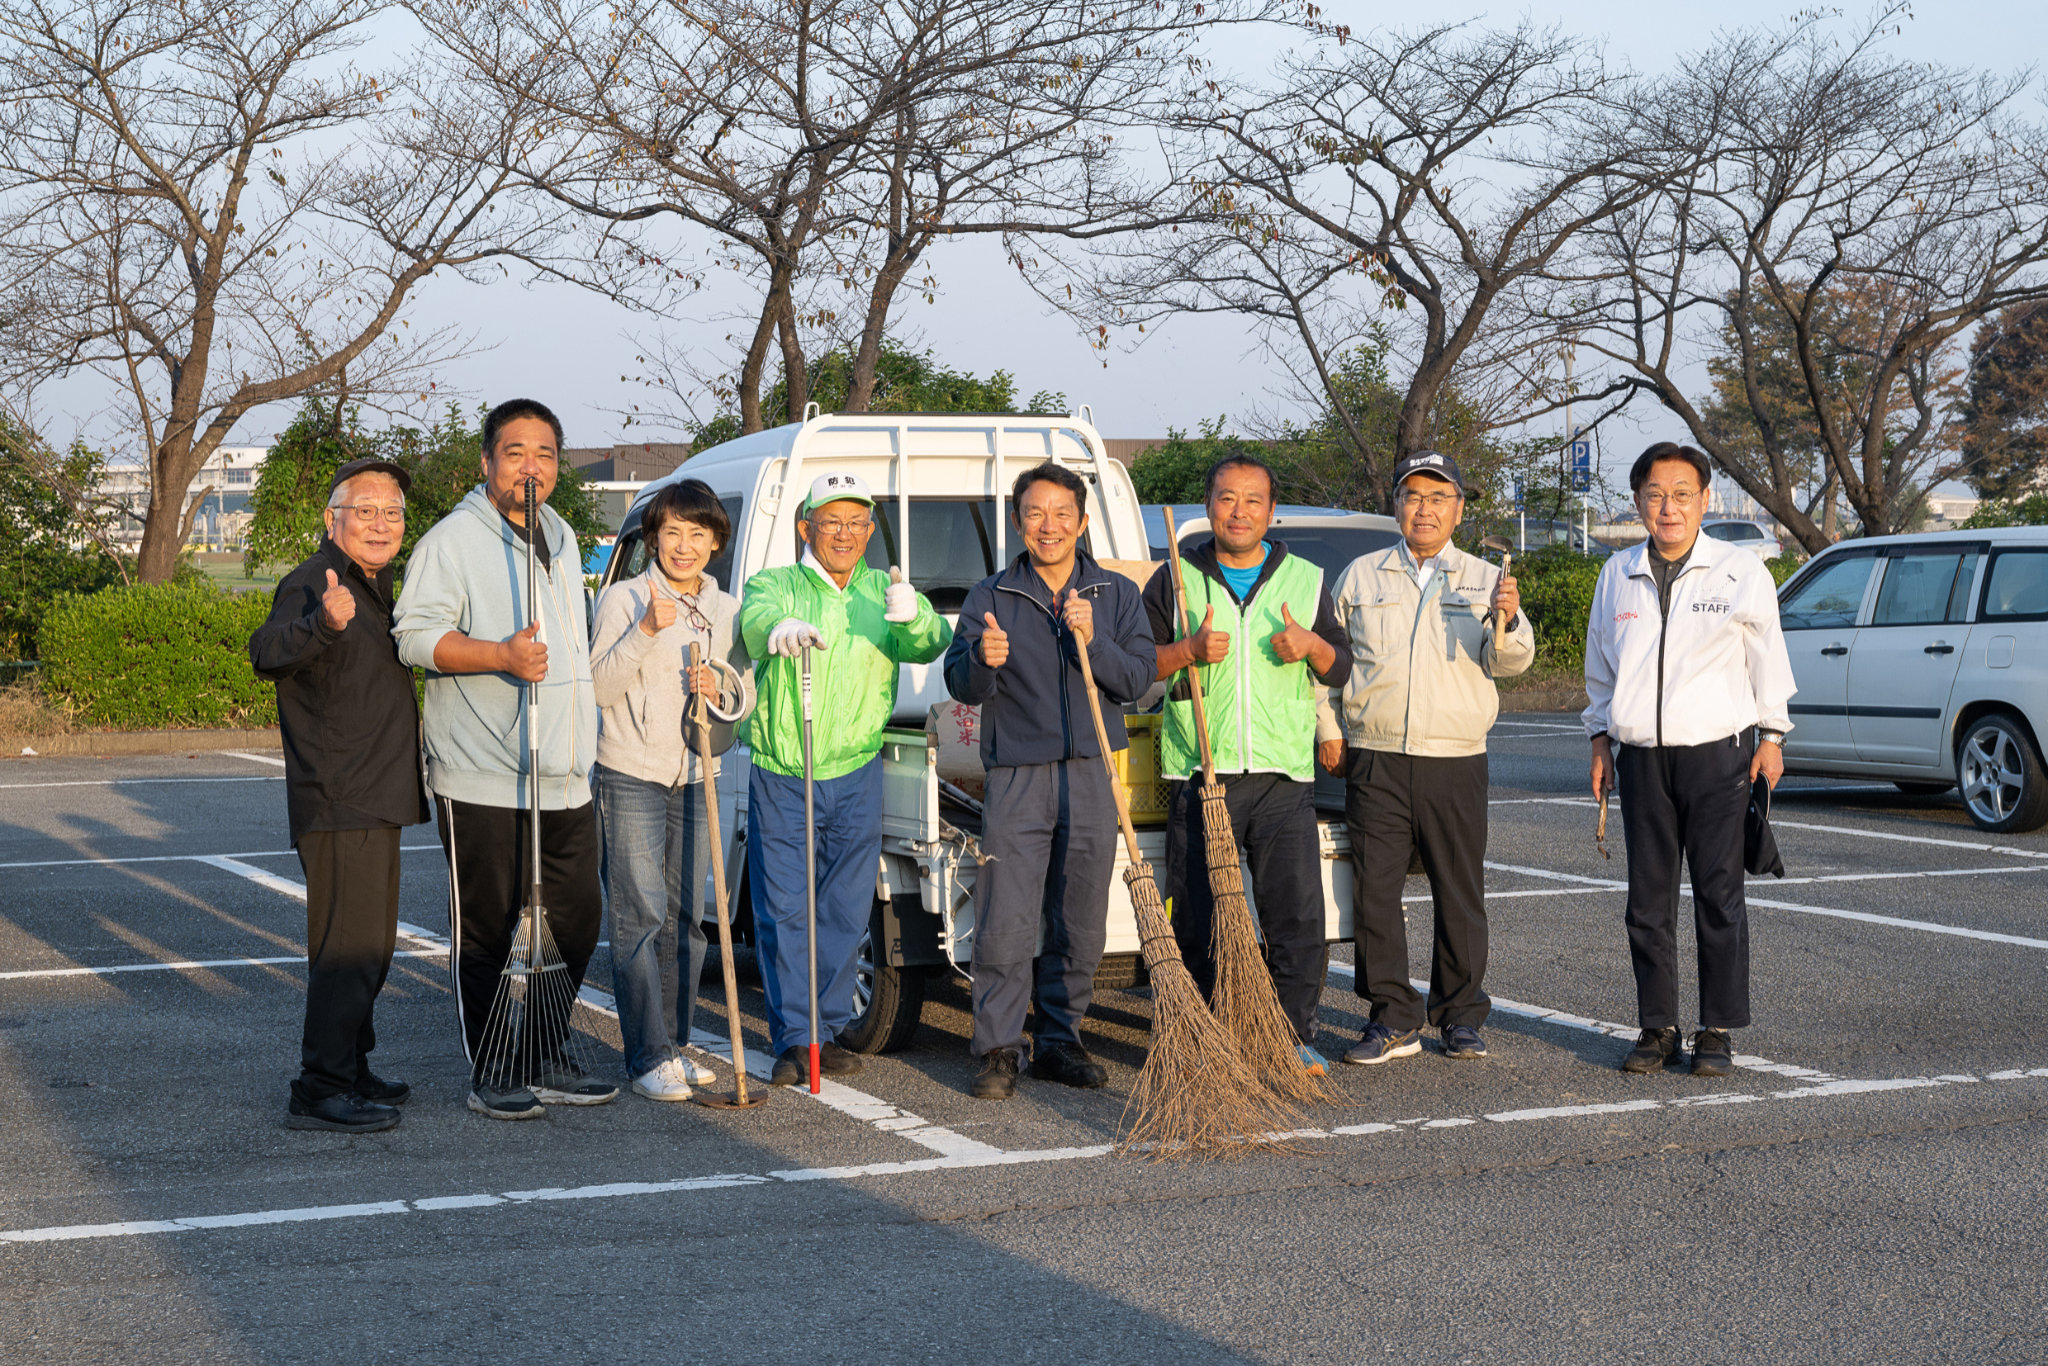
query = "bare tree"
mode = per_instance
[
  {"x": 211, "y": 209},
  {"x": 822, "y": 147},
  {"x": 1415, "y": 184},
  {"x": 1849, "y": 215}
]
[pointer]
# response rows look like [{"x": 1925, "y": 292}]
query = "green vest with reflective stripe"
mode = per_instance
[{"x": 1262, "y": 712}]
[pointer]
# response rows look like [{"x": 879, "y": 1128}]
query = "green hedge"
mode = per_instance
[
  {"x": 1557, "y": 593},
  {"x": 156, "y": 655}
]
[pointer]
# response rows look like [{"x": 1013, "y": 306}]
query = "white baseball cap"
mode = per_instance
[{"x": 837, "y": 487}]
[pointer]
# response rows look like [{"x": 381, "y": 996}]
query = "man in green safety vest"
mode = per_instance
[{"x": 1262, "y": 673}]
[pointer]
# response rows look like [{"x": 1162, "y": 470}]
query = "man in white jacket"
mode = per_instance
[{"x": 1686, "y": 671}]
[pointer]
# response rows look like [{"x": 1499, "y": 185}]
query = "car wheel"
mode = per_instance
[
  {"x": 888, "y": 1001},
  {"x": 1917, "y": 789},
  {"x": 1999, "y": 770}
]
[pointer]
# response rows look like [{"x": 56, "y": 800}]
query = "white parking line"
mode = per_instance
[
  {"x": 136, "y": 782},
  {"x": 254, "y": 758},
  {"x": 1748, "y": 1061},
  {"x": 1771, "y": 903},
  {"x": 190, "y": 858},
  {"x": 617, "y": 1190},
  {"x": 876, "y": 1113}
]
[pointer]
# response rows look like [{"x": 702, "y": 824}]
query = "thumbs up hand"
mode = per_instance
[
  {"x": 1292, "y": 642},
  {"x": 525, "y": 656},
  {"x": 1210, "y": 645},
  {"x": 337, "y": 604},
  {"x": 899, "y": 602},
  {"x": 995, "y": 642}
]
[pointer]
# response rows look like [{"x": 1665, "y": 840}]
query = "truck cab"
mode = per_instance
[{"x": 941, "y": 484}]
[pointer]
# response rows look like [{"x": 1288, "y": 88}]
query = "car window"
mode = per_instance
[
  {"x": 1830, "y": 597},
  {"x": 2018, "y": 585},
  {"x": 1916, "y": 588},
  {"x": 1959, "y": 596}
]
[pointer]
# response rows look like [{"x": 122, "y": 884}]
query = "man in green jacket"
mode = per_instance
[{"x": 860, "y": 628}]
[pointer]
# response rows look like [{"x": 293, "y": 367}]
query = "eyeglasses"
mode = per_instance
[
  {"x": 1682, "y": 499},
  {"x": 370, "y": 512},
  {"x": 836, "y": 527},
  {"x": 1432, "y": 502}
]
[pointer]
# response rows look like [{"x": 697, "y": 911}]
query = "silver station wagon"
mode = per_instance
[{"x": 1924, "y": 659}]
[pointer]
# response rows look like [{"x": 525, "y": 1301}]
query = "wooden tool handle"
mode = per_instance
[
  {"x": 701, "y": 716},
  {"x": 1123, "y": 800},
  {"x": 1180, "y": 598}
]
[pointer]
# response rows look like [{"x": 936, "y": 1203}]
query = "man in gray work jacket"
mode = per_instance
[{"x": 1415, "y": 714}]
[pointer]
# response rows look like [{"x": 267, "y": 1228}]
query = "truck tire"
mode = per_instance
[
  {"x": 1998, "y": 768},
  {"x": 888, "y": 1001}
]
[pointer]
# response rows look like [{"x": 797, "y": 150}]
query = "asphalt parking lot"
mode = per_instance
[{"x": 1868, "y": 1185}]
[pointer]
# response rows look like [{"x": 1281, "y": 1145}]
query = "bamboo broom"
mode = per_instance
[
  {"x": 1195, "y": 1095},
  {"x": 1244, "y": 999}
]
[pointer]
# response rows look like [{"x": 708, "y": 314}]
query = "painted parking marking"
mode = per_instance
[
  {"x": 189, "y": 858},
  {"x": 755, "y": 1181},
  {"x": 1778, "y": 822},
  {"x": 135, "y": 782},
  {"x": 270, "y": 759},
  {"x": 1747, "y": 1061},
  {"x": 1772, "y": 903},
  {"x": 876, "y": 1113}
]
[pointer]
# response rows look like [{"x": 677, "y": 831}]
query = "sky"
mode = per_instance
[{"x": 572, "y": 349}]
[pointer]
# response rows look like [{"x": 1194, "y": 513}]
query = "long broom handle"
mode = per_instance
[
  {"x": 1123, "y": 801},
  {"x": 702, "y": 712},
  {"x": 1180, "y": 598},
  {"x": 533, "y": 726},
  {"x": 810, "y": 862}
]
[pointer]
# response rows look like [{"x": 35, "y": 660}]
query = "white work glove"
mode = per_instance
[
  {"x": 791, "y": 635},
  {"x": 900, "y": 599}
]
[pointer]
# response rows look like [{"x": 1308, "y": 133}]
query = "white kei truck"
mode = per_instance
[{"x": 941, "y": 483}]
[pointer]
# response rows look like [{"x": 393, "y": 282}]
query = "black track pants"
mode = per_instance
[
  {"x": 488, "y": 872},
  {"x": 1687, "y": 800},
  {"x": 351, "y": 929},
  {"x": 1396, "y": 805},
  {"x": 1274, "y": 820}
]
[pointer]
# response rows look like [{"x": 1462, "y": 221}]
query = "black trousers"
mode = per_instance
[
  {"x": 1274, "y": 820},
  {"x": 488, "y": 850},
  {"x": 351, "y": 929},
  {"x": 1687, "y": 800},
  {"x": 1396, "y": 806}
]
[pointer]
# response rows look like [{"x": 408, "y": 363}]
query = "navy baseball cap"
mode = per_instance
[{"x": 1434, "y": 465}]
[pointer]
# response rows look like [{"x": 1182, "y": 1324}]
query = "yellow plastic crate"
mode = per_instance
[{"x": 1138, "y": 769}]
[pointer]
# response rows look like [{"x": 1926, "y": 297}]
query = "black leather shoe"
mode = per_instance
[
  {"x": 1069, "y": 1065},
  {"x": 1654, "y": 1049},
  {"x": 381, "y": 1091},
  {"x": 835, "y": 1061},
  {"x": 1713, "y": 1053},
  {"x": 346, "y": 1113},
  {"x": 792, "y": 1068},
  {"x": 997, "y": 1079}
]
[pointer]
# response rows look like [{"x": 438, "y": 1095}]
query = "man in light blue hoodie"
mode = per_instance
[{"x": 463, "y": 618}]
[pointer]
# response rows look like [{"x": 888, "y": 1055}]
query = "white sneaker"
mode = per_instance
[
  {"x": 699, "y": 1074},
  {"x": 670, "y": 1081}
]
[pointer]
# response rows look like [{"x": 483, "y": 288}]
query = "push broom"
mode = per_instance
[
  {"x": 528, "y": 1028},
  {"x": 1244, "y": 1000},
  {"x": 1195, "y": 1095}
]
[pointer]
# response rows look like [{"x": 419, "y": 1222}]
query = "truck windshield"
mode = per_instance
[{"x": 952, "y": 545}]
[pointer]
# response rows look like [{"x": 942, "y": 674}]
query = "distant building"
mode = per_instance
[{"x": 225, "y": 481}]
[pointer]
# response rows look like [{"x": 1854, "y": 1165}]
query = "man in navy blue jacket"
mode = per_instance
[{"x": 1049, "y": 823}]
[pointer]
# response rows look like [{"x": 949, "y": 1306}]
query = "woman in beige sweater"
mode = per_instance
[{"x": 650, "y": 790}]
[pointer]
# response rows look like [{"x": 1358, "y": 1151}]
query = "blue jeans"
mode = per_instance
[
  {"x": 848, "y": 810},
  {"x": 656, "y": 853}
]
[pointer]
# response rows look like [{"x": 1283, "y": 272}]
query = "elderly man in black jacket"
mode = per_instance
[
  {"x": 352, "y": 779},
  {"x": 1049, "y": 818}
]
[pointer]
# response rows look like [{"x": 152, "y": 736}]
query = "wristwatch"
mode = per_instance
[{"x": 1776, "y": 737}]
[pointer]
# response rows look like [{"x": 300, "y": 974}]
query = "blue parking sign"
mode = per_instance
[{"x": 1582, "y": 466}]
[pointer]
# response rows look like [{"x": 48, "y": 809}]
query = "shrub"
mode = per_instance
[
  {"x": 152, "y": 655},
  {"x": 1557, "y": 593}
]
